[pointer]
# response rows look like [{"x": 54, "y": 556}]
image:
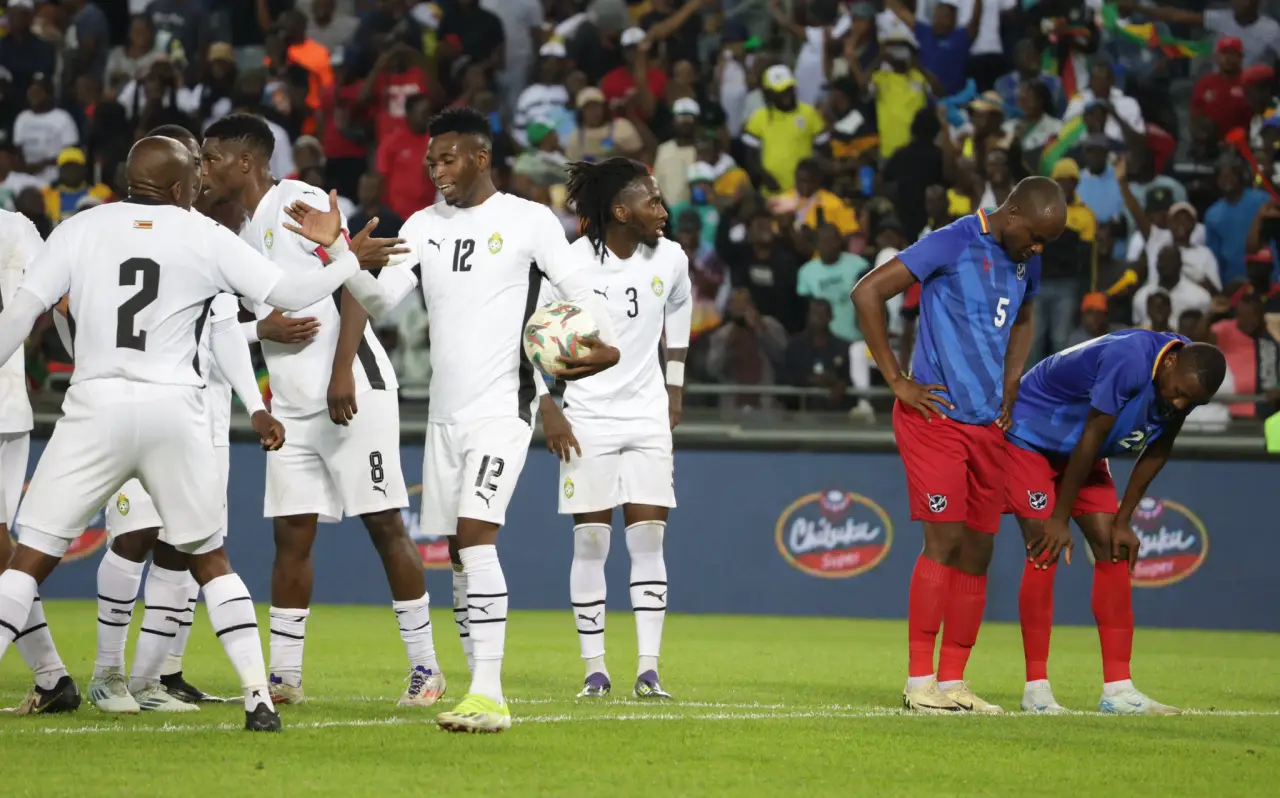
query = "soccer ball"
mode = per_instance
[{"x": 553, "y": 332}]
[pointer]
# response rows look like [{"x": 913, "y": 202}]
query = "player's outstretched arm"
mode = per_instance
[
  {"x": 231, "y": 353},
  {"x": 240, "y": 269},
  {"x": 1149, "y": 465}
]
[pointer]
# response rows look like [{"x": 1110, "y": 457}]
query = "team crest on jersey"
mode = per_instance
[
  {"x": 568, "y": 488},
  {"x": 268, "y": 238},
  {"x": 1022, "y": 271},
  {"x": 1036, "y": 500},
  {"x": 495, "y": 244},
  {"x": 657, "y": 286},
  {"x": 122, "y": 504}
]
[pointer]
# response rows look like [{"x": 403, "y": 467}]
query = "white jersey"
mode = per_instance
[
  {"x": 300, "y": 372},
  {"x": 142, "y": 277},
  {"x": 19, "y": 245},
  {"x": 217, "y": 400},
  {"x": 639, "y": 292},
  {"x": 481, "y": 269}
]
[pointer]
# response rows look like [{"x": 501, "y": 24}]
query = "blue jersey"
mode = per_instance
[
  {"x": 1114, "y": 374},
  {"x": 970, "y": 294}
]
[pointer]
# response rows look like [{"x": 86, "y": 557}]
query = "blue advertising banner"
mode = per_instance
[{"x": 797, "y": 534}]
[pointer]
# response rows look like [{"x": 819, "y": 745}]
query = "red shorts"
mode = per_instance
[
  {"x": 1032, "y": 486},
  {"x": 955, "y": 472}
]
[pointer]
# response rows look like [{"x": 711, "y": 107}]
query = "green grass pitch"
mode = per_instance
[{"x": 764, "y": 706}]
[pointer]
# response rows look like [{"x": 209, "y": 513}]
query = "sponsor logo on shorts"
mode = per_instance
[
  {"x": 834, "y": 534},
  {"x": 433, "y": 549},
  {"x": 937, "y": 502},
  {"x": 495, "y": 244},
  {"x": 122, "y": 504},
  {"x": 1174, "y": 542},
  {"x": 568, "y": 488},
  {"x": 91, "y": 539},
  {"x": 1037, "y": 500}
]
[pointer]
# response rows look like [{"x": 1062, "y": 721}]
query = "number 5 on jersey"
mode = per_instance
[{"x": 1001, "y": 314}]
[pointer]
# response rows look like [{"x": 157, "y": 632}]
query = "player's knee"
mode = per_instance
[
  {"x": 943, "y": 543},
  {"x": 646, "y": 537},
  {"x": 386, "y": 528},
  {"x": 135, "y": 546},
  {"x": 208, "y": 566},
  {"x": 591, "y": 542},
  {"x": 43, "y": 542},
  {"x": 169, "y": 558},
  {"x": 294, "y": 538}
]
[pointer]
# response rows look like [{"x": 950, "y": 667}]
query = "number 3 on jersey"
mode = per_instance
[
  {"x": 144, "y": 273},
  {"x": 1001, "y": 315}
]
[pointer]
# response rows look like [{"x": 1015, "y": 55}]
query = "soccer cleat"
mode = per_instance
[
  {"x": 282, "y": 693},
  {"x": 476, "y": 713},
  {"x": 183, "y": 690},
  {"x": 596, "y": 685},
  {"x": 647, "y": 686},
  {"x": 928, "y": 697},
  {"x": 263, "y": 718},
  {"x": 64, "y": 697},
  {"x": 1040, "y": 701},
  {"x": 968, "y": 702},
  {"x": 154, "y": 698},
  {"x": 425, "y": 688},
  {"x": 110, "y": 693},
  {"x": 1134, "y": 702}
]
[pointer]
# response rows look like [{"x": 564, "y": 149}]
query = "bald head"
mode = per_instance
[
  {"x": 1034, "y": 214},
  {"x": 1039, "y": 196},
  {"x": 162, "y": 169}
]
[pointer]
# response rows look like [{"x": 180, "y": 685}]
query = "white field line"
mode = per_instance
[{"x": 11, "y": 727}]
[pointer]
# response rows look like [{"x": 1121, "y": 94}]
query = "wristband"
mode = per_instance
[
  {"x": 675, "y": 374},
  {"x": 337, "y": 248}
]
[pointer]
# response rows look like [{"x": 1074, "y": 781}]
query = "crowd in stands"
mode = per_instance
[{"x": 798, "y": 144}]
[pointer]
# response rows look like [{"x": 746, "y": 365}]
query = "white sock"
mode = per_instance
[
  {"x": 916, "y": 682},
  {"x": 118, "y": 583},
  {"x": 460, "y": 618},
  {"x": 648, "y": 589},
  {"x": 1116, "y": 688},
  {"x": 173, "y": 660},
  {"x": 414, "y": 618},
  {"x": 587, "y": 591},
  {"x": 1036, "y": 684},
  {"x": 288, "y": 634},
  {"x": 234, "y": 622},
  {"x": 487, "y": 617},
  {"x": 35, "y": 644},
  {"x": 950, "y": 684},
  {"x": 164, "y": 598},
  {"x": 17, "y": 594}
]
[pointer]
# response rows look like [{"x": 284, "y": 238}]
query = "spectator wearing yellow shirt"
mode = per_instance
[
  {"x": 72, "y": 185},
  {"x": 901, "y": 90},
  {"x": 782, "y": 134},
  {"x": 812, "y": 204}
]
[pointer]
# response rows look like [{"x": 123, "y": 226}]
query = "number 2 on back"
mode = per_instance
[{"x": 1001, "y": 315}]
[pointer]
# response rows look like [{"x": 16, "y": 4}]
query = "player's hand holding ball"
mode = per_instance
[
  {"x": 599, "y": 356},
  {"x": 270, "y": 431},
  {"x": 561, "y": 340},
  {"x": 921, "y": 398}
]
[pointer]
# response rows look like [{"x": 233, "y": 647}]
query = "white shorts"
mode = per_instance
[
  {"x": 470, "y": 471},
  {"x": 131, "y": 508},
  {"x": 329, "y": 470},
  {"x": 112, "y": 431},
  {"x": 621, "y": 463},
  {"x": 13, "y": 473}
]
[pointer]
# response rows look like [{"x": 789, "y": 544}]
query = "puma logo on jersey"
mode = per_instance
[
  {"x": 484, "y": 609},
  {"x": 594, "y": 620},
  {"x": 659, "y": 596},
  {"x": 435, "y": 243},
  {"x": 486, "y": 498},
  {"x": 604, "y": 293}
]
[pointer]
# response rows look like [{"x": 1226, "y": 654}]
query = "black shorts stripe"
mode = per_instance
[
  {"x": 236, "y": 628},
  {"x": 160, "y": 634},
  {"x": 204, "y": 316},
  {"x": 588, "y": 603},
  {"x": 524, "y": 397},
  {"x": 115, "y": 601},
  {"x": 364, "y": 353},
  {"x": 35, "y": 628}
]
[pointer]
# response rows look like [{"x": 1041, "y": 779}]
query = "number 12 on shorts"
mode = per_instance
[{"x": 490, "y": 469}]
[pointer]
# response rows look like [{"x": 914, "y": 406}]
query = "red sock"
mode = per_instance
[
  {"x": 1113, "y": 610},
  {"x": 1035, "y": 612},
  {"x": 966, "y": 600},
  {"x": 926, "y": 604}
]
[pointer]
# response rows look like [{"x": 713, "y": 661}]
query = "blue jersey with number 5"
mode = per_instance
[
  {"x": 1114, "y": 374},
  {"x": 970, "y": 294}
]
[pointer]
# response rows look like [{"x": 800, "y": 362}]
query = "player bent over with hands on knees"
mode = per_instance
[
  {"x": 480, "y": 257},
  {"x": 979, "y": 275},
  {"x": 135, "y": 406},
  {"x": 1125, "y": 392},
  {"x": 334, "y": 386},
  {"x": 614, "y": 436}
]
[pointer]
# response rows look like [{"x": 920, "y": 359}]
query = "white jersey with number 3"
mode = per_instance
[
  {"x": 142, "y": 278},
  {"x": 638, "y": 292},
  {"x": 481, "y": 269},
  {"x": 20, "y": 243}
]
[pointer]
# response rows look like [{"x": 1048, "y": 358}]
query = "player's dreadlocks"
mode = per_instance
[{"x": 592, "y": 190}]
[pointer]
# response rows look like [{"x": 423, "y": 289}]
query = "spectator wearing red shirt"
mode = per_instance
[
  {"x": 1220, "y": 95},
  {"x": 397, "y": 76},
  {"x": 402, "y": 161},
  {"x": 340, "y": 121},
  {"x": 619, "y": 83},
  {"x": 1258, "y": 267}
]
